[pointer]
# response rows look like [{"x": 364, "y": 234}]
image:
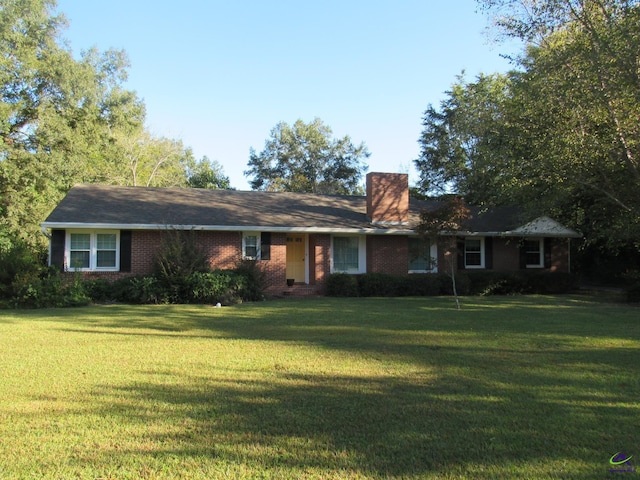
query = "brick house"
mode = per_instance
[{"x": 113, "y": 231}]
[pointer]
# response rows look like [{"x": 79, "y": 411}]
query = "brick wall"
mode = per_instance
[
  {"x": 388, "y": 254},
  {"x": 560, "y": 255},
  {"x": 319, "y": 258},
  {"x": 506, "y": 254},
  {"x": 388, "y": 197},
  {"x": 276, "y": 268}
]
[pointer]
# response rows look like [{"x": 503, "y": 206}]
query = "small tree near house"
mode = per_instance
[{"x": 446, "y": 219}]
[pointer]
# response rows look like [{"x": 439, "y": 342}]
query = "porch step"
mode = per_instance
[{"x": 301, "y": 290}]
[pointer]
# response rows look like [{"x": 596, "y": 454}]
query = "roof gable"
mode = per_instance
[{"x": 545, "y": 227}]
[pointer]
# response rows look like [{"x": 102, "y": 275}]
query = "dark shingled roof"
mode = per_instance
[
  {"x": 102, "y": 204},
  {"x": 143, "y": 207}
]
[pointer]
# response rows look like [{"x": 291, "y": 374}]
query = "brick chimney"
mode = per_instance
[{"x": 388, "y": 198}]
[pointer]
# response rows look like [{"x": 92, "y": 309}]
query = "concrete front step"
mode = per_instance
[{"x": 301, "y": 291}]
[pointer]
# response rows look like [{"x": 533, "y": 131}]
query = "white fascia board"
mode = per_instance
[
  {"x": 223, "y": 228},
  {"x": 515, "y": 234}
]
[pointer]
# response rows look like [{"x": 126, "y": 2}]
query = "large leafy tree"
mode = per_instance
[
  {"x": 464, "y": 142},
  {"x": 305, "y": 157},
  {"x": 57, "y": 113},
  {"x": 66, "y": 120},
  {"x": 561, "y": 132},
  {"x": 578, "y": 101}
]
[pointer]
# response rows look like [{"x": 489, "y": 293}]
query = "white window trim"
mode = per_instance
[
  {"x": 540, "y": 263},
  {"x": 362, "y": 255},
  {"x": 433, "y": 253},
  {"x": 482, "y": 250},
  {"x": 93, "y": 251},
  {"x": 244, "y": 245}
]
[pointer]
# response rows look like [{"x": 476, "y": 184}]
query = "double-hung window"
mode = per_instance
[
  {"x": 474, "y": 252},
  {"x": 534, "y": 253},
  {"x": 93, "y": 251},
  {"x": 251, "y": 245}
]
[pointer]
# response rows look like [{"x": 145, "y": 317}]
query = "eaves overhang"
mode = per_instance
[{"x": 229, "y": 228}]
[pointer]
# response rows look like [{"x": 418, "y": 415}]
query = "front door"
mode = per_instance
[{"x": 296, "y": 255}]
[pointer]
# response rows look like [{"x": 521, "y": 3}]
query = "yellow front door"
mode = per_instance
[{"x": 296, "y": 253}]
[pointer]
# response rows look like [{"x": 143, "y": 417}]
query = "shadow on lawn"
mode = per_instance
[
  {"x": 546, "y": 401},
  {"x": 379, "y": 427}
]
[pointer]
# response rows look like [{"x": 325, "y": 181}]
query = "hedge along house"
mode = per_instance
[{"x": 300, "y": 239}]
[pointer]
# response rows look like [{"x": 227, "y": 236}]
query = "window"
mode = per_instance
[
  {"x": 93, "y": 251},
  {"x": 80, "y": 251},
  {"x": 251, "y": 245},
  {"x": 349, "y": 254},
  {"x": 534, "y": 253},
  {"x": 421, "y": 255},
  {"x": 474, "y": 253},
  {"x": 106, "y": 250}
]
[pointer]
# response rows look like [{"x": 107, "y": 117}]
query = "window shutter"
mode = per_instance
[
  {"x": 125, "y": 250},
  {"x": 523, "y": 254},
  {"x": 547, "y": 252},
  {"x": 488, "y": 253},
  {"x": 57, "y": 248},
  {"x": 265, "y": 246},
  {"x": 460, "y": 245}
]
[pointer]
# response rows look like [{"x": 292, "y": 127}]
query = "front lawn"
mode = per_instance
[{"x": 508, "y": 387}]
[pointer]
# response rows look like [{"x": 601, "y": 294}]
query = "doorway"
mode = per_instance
[{"x": 296, "y": 257}]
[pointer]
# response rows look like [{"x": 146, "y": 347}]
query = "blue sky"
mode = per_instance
[{"x": 220, "y": 75}]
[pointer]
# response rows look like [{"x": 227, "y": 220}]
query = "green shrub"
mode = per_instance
[
  {"x": 99, "y": 290},
  {"x": 125, "y": 290},
  {"x": 421, "y": 285},
  {"x": 220, "y": 286},
  {"x": 342, "y": 285},
  {"x": 20, "y": 270},
  {"x": 254, "y": 280},
  {"x": 179, "y": 256},
  {"x": 490, "y": 282},
  {"x": 378, "y": 285},
  {"x": 463, "y": 284}
]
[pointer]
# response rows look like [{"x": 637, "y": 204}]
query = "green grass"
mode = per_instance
[{"x": 515, "y": 387}]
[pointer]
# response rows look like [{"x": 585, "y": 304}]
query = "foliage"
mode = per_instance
[
  {"x": 559, "y": 133},
  {"x": 463, "y": 143},
  {"x": 139, "y": 158},
  {"x": 227, "y": 287},
  {"x": 67, "y": 120},
  {"x": 56, "y": 113},
  {"x": 342, "y": 285},
  {"x": 254, "y": 280},
  {"x": 25, "y": 281},
  {"x": 376, "y": 285},
  {"x": 482, "y": 283},
  {"x": 305, "y": 158},
  {"x": 208, "y": 174},
  {"x": 179, "y": 255}
]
